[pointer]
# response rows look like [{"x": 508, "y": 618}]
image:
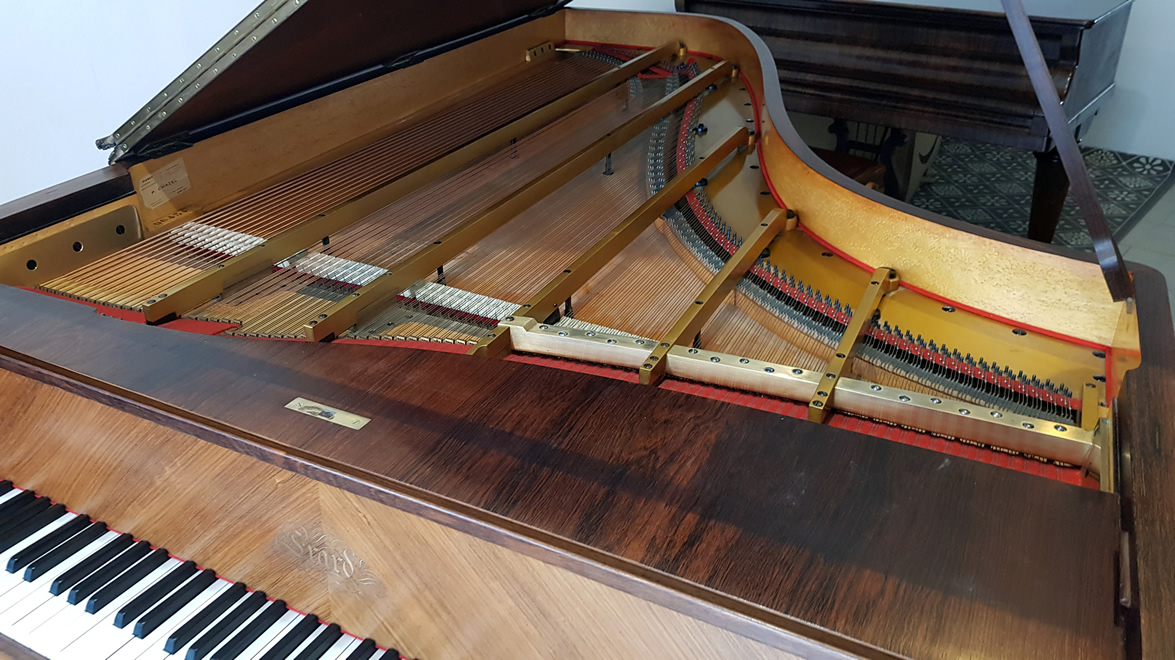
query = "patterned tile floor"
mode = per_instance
[{"x": 992, "y": 186}]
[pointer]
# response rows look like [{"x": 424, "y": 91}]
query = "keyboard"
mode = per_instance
[{"x": 71, "y": 587}]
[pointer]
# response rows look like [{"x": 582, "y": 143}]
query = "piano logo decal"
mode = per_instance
[
  {"x": 323, "y": 411},
  {"x": 316, "y": 550}
]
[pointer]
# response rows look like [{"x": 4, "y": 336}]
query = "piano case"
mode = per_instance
[{"x": 536, "y": 507}]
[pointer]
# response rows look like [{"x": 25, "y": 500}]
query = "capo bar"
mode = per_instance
[
  {"x": 346, "y": 313},
  {"x": 884, "y": 280},
  {"x": 695, "y": 317}
]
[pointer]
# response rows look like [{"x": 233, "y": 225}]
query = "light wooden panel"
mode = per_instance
[{"x": 1039, "y": 289}]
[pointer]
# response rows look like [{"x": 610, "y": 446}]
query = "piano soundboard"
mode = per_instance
[{"x": 71, "y": 587}]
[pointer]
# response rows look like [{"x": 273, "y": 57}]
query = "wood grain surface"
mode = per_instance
[
  {"x": 427, "y": 589},
  {"x": 1146, "y": 429},
  {"x": 777, "y": 519}
]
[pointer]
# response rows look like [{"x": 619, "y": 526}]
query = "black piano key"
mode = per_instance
[
  {"x": 82, "y": 569},
  {"x": 204, "y": 618},
  {"x": 5, "y": 486},
  {"x": 31, "y": 526},
  {"x": 165, "y": 610},
  {"x": 15, "y": 504},
  {"x": 59, "y": 536},
  {"x": 22, "y": 515},
  {"x": 154, "y": 594},
  {"x": 129, "y": 578},
  {"x": 226, "y": 626},
  {"x": 251, "y": 632},
  {"x": 366, "y": 649},
  {"x": 107, "y": 572},
  {"x": 322, "y": 643},
  {"x": 292, "y": 639},
  {"x": 51, "y": 559}
]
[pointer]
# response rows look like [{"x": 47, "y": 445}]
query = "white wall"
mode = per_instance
[
  {"x": 1138, "y": 118},
  {"x": 72, "y": 71}
]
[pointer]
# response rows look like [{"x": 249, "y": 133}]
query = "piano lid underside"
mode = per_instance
[{"x": 789, "y": 310}]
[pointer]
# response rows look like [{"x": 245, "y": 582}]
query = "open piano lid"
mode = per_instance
[{"x": 288, "y": 52}]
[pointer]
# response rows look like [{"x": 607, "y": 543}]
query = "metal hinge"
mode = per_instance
[{"x": 1126, "y": 591}]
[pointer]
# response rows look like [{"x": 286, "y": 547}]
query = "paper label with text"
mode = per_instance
[{"x": 164, "y": 184}]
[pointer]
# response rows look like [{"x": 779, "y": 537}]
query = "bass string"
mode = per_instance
[
  {"x": 103, "y": 273},
  {"x": 386, "y": 237}
]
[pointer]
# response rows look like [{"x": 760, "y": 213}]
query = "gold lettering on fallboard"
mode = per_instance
[{"x": 315, "y": 550}]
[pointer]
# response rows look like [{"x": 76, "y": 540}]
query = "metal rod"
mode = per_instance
[
  {"x": 564, "y": 285},
  {"x": 689, "y": 325},
  {"x": 933, "y": 413},
  {"x": 346, "y": 313},
  {"x": 212, "y": 282},
  {"x": 884, "y": 280}
]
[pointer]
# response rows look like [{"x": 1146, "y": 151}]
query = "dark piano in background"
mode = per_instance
[{"x": 950, "y": 69}]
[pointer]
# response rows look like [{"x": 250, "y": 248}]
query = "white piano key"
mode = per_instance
[
  {"x": 61, "y": 629},
  {"x": 137, "y": 648},
  {"x": 32, "y": 631},
  {"x": 383, "y": 655},
  {"x": 306, "y": 642},
  {"x": 271, "y": 636},
  {"x": 10, "y": 494},
  {"x": 27, "y": 596},
  {"x": 87, "y": 630},
  {"x": 10, "y": 580},
  {"x": 341, "y": 648},
  {"x": 103, "y": 639},
  {"x": 160, "y": 654}
]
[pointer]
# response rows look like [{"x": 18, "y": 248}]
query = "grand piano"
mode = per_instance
[
  {"x": 511, "y": 330},
  {"x": 946, "y": 67}
]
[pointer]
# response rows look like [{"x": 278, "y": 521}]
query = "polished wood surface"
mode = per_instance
[
  {"x": 845, "y": 531},
  {"x": 427, "y": 589},
  {"x": 1146, "y": 427}
]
